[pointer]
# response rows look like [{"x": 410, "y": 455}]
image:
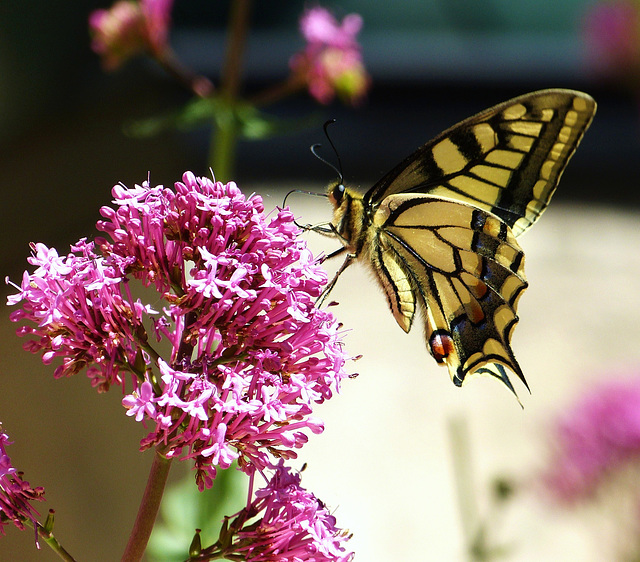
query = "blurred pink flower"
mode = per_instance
[
  {"x": 612, "y": 31},
  {"x": 331, "y": 63},
  {"x": 594, "y": 439},
  {"x": 130, "y": 28},
  {"x": 320, "y": 27}
]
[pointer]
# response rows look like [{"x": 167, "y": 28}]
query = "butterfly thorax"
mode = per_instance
[{"x": 350, "y": 218}]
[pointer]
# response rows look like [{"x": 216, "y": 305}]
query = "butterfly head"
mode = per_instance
[{"x": 340, "y": 198}]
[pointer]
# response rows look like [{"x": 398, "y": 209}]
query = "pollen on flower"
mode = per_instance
[{"x": 249, "y": 353}]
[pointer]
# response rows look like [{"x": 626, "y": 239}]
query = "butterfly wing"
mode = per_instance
[
  {"x": 464, "y": 267},
  {"x": 507, "y": 159}
]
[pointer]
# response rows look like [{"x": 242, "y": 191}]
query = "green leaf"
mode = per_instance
[
  {"x": 257, "y": 125},
  {"x": 249, "y": 122},
  {"x": 196, "y": 113},
  {"x": 184, "y": 509}
]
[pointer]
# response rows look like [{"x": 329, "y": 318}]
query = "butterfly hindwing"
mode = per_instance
[
  {"x": 463, "y": 267},
  {"x": 507, "y": 159}
]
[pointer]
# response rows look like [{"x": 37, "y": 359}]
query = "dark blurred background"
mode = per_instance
[
  {"x": 432, "y": 62},
  {"x": 62, "y": 148}
]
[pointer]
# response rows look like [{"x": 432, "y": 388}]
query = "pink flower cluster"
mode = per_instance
[
  {"x": 81, "y": 311},
  {"x": 16, "y": 494},
  {"x": 331, "y": 63},
  {"x": 129, "y": 28},
  {"x": 226, "y": 364},
  {"x": 612, "y": 32},
  {"x": 292, "y": 525},
  {"x": 249, "y": 354},
  {"x": 594, "y": 439}
]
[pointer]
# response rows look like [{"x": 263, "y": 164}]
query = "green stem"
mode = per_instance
[
  {"x": 55, "y": 545},
  {"x": 225, "y": 131},
  {"x": 50, "y": 539},
  {"x": 290, "y": 86},
  {"x": 148, "y": 509},
  {"x": 223, "y": 146},
  {"x": 463, "y": 476},
  {"x": 201, "y": 86}
]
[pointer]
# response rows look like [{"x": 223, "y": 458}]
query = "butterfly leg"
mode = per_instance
[
  {"x": 330, "y": 231},
  {"x": 346, "y": 263},
  {"x": 322, "y": 228}
]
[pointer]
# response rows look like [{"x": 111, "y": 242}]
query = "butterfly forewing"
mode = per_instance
[{"x": 507, "y": 159}]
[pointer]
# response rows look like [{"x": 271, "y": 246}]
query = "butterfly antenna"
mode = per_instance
[
  {"x": 284, "y": 204},
  {"x": 314, "y": 151}
]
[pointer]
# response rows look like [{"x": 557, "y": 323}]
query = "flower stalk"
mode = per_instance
[
  {"x": 46, "y": 534},
  {"x": 148, "y": 508},
  {"x": 225, "y": 127}
]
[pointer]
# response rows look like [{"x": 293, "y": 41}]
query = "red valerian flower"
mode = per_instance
[
  {"x": 284, "y": 523},
  {"x": 612, "y": 31},
  {"x": 130, "y": 28},
  {"x": 594, "y": 440},
  {"x": 249, "y": 353},
  {"x": 16, "y": 494}
]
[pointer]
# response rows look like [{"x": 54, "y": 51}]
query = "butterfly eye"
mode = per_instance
[{"x": 337, "y": 193}]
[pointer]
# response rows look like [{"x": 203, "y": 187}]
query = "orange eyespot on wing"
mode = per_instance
[{"x": 441, "y": 345}]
